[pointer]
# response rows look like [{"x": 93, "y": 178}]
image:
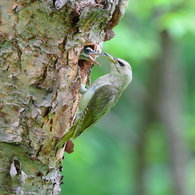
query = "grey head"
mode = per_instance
[{"x": 88, "y": 53}]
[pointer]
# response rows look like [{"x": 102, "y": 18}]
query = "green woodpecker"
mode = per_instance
[
  {"x": 87, "y": 54},
  {"x": 99, "y": 98}
]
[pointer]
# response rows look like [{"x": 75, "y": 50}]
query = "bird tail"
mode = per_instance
[{"x": 60, "y": 143}]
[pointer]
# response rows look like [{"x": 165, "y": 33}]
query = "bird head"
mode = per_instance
[
  {"x": 87, "y": 54},
  {"x": 120, "y": 68},
  {"x": 88, "y": 51}
]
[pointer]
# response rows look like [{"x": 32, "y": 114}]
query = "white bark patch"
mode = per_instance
[
  {"x": 13, "y": 171},
  {"x": 60, "y": 3},
  {"x": 23, "y": 177}
]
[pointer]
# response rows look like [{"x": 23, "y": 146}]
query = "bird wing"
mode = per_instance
[{"x": 101, "y": 102}]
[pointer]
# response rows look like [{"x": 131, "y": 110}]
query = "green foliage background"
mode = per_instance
[{"x": 105, "y": 161}]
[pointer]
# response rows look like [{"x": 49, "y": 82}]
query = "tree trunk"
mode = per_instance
[
  {"x": 170, "y": 110},
  {"x": 163, "y": 105},
  {"x": 40, "y": 77}
]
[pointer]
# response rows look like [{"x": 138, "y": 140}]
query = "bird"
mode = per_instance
[
  {"x": 99, "y": 98},
  {"x": 87, "y": 53}
]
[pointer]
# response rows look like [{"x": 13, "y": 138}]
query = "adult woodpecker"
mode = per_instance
[
  {"x": 87, "y": 54},
  {"x": 99, "y": 98}
]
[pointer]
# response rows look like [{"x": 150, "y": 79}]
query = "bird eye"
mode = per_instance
[
  {"x": 88, "y": 49},
  {"x": 121, "y": 64}
]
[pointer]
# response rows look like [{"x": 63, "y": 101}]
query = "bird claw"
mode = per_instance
[{"x": 82, "y": 89}]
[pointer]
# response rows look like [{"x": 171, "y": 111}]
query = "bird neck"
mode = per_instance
[
  {"x": 83, "y": 56},
  {"x": 117, "y": 80}
]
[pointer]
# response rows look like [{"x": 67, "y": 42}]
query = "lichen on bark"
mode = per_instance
[{"x": 40, "y": 78}]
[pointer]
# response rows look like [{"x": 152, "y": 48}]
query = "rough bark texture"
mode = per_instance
[{"x": 40, "y": 77}]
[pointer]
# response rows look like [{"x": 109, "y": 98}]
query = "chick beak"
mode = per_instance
[{"x": 93, "y": 54}]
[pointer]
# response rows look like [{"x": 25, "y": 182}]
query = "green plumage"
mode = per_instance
[{"x": 99, "y": 98}]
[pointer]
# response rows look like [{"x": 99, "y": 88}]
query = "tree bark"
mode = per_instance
[{"x": 40, "y": 77}]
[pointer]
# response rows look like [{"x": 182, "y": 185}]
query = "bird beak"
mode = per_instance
[
  {"x": 112, "y": 59},
  {"x": 91, "y": 59},
  {"x": 95, "y": 53}
]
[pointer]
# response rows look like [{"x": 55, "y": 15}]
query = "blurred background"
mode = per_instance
[{"x": 146, "y": 144}]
